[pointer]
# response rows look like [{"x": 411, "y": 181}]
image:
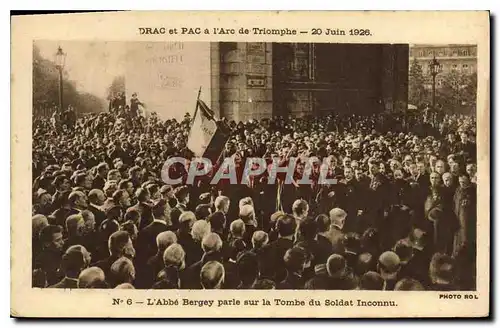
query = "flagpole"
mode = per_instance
[
  {"x": 194, "y": 116},
  {"x": 196, "y": 108}
]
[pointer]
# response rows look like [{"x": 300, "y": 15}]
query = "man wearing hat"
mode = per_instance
[
  {"x": 389, "y": 266},
  {"x": 134, "y": 105},
  {"x": 167, "y": 193},
  {"x": 442, "y": 271},
  {"x": 464, "y": 206},
  {"x": 294, "y": 259},
  {"x": 378, "y": 194},
  {"x": 146, "y": 239},
  {"x": 49, "y": 258},
  {"x": 465, "y": 147},
  {"x": 74, "y": 260}
]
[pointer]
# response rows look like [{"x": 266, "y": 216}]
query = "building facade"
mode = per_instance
[
  {"x": 262, "y": 80},
  {"x": 254, "y": 80},
  {"x": 452, "y": 57}
]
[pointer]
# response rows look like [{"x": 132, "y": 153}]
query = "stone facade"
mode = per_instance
[
  {"x": 319, "y": 79},
  {"x": 167, "y": 76},
  {"x": 262, "y": 80},
  {"x": 246, "y": 80},
  {"x": 459, "y": 57},
  {"x": 256, "y": 80}
]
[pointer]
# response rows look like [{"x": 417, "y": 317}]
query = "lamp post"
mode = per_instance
[
  {"x": 60, "y": 59},
  {"x": 435, "y": 69}
]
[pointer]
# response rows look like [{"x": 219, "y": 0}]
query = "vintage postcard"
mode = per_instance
[{"x": 251, "y": 164}]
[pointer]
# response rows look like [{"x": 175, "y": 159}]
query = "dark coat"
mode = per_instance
[
  {"x": 468, "y": 150},
  {"x": 146, "y": 240},
  {"x": 171, "y": 278},
  {"x": 146, "y": 214},
  {"x": 99, "y": 215},
  {"x": 147, "y": 274},
  {"x": 444, "y": 229},
  {"x": 193, "y": 249},
  {"x": 464, "y": 205},
  {"x": 313, "y": 248},
  {"x": 401, "y": 192},
  {"x": 249, "y": 230},
  {"x": 325, "y": 282},
  {"x": 434, "y": 200},
  {"x": 106, "y": 264},
  {"x": 319, "y": 282},
  {"x": 424, "y": 180},
  {"x": 231, "y": 279},
  {"x": 336, "y": 237},
  {"x": 193, "y": 272},
  {"x": 292, "y": 281},
  {"x": 418, "y": 266},
  {"x": 66, "y": 283},
  {"x": 229, "y": 250},
  {"x": 49, "y": 261},
  {"x": 351, "y": 201},
  {"x": 324, "y": 249},
  {"x": 378, "y": 196},
  {"x": 176, "y": 213},
  {"x": 56, "y": 200},
  {"x": 443, "y": 287},
  {"x": 274, "y": 253},
  {"x": 60, "y": 216},
  {"x": 266, "y": 267},
  {"x": 74, "y": 240},
  {"x": 351, "y": 259},
  {"x": 98, "y": 183}
]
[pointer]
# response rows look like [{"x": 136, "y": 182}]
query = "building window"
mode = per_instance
[
  {"x": 454, "y": 67},
  {"x": 431, "y": 53},
  {"x": 421, "y": 54},
  {"x": 455, "y": 53},
  {"x": 439, "y": 82},
  {"x": 440, "y": 54},
  {"x": 465, "y": 52},
  {"x": 465, "y": 66}
]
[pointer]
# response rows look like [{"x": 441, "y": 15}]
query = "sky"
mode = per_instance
[
  {"x": 166, "y": 75},
  {"x": 92, "y": 65}
]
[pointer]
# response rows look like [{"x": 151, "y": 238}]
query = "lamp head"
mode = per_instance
[{"x": 60, "y": 58}]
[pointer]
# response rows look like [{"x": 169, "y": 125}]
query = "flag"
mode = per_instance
[
  {"x": 207, "y": 136},
  {"x": 206, "y": 111}
]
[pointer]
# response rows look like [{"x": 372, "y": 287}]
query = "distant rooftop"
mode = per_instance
[{"x": 440, "y": 45}]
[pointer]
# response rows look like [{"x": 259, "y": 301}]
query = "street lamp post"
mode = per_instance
[
  {"x": 434, "y": 68},
  {"x": 60, "y": 60}
]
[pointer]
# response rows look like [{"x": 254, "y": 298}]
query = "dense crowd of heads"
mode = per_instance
[{"x": 401, "y": 217}]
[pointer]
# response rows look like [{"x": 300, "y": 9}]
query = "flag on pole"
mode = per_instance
[
  {"x": 207, "y": 136},
  {"x": 206, "y": 111}
]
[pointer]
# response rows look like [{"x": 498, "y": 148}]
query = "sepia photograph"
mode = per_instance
[
  {"x": 328, "y": 166},
  {"x": 237, "y": 166}
]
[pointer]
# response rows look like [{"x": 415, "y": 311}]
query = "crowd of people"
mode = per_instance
[{"x": 401, "y": 217}]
